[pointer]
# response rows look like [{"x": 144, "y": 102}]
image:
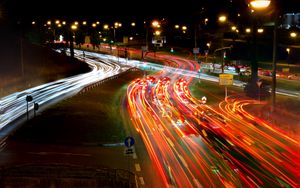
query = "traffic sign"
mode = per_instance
[
  {"x": 259, "y": 82},
  {"x": 129, "y": 151},
  {"x": 204, "y": 99},
  {"x": 36, "y": 106},
  {"x": 196, "y": 50},
  {"x": 129, "y": 141},
  {"x": 225, "y": 79},
  {"x": 285, "y": 69},
  {"x": 29, "y": 98}
]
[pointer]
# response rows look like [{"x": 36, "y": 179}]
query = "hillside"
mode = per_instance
[{"x": 40, "y": 65}]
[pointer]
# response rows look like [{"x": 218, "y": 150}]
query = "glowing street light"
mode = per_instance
[
  {"x": 293, "y": 34},
  {"x": 155, "y": 23},
  {"x": 260, "y": 4},
  {"x": 73, "y": 27},
  {"x": 105, "y": 26},
  {"x": 157, "y": 32},
  {"x": 260, "y": 30},
  {"x": 222, "y": 18}
]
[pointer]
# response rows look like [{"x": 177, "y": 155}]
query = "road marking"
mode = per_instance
[
  {"x": 142, "y": 180},
  {"x": 183, "y": 161},
  {"x": 136, "y": 181},
  {"x": 2, "y": 145},
  {"x": 197, "y": 183},
  {"x": 137, "y": 167},
  {"x": 134, "y": 156},
  {"x": 56, "y": 153},
  {"x": 170, "y": 142}
]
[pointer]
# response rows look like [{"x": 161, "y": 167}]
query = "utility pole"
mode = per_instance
[
  {"x": 195, "y": 38},
  {"x": 274, "y": 63}
]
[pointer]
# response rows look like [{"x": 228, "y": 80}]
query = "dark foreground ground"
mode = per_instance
[{"x": 75, "y": 143}]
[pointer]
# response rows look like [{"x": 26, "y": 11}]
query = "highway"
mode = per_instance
[
  {"x": 192, "y": 144},
  {"x": 14, "y": 106}
]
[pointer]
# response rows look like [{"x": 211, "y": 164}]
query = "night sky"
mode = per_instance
[
  {"x": 94, "y": 8},
  {"x": 185, "y": 10}
]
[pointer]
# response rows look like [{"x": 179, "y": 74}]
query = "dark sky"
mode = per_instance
[
  {"x": 113, "y": 8},
  {"x": 119, "y": 8}
]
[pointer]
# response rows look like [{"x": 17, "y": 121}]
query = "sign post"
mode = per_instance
[
  {"x": 225, "y": 80},
  {"x": 129, "y": 142},
  {"x": 28, "y": 99},
  {"x": 259, "y": 82},
  {"x": 196, "y": 51},
  {"x": 35, "y": 107}
]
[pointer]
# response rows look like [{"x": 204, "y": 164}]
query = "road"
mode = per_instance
[
  {"x": 184, "y": 142},
  {"x": 192, "y": 144},
  {"x": 14, "y": 106}
]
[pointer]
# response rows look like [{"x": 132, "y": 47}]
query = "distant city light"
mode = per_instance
[
  {"x": 105, "y": 26},
  {"x": 184, "y": 28},
  {"x": 157, "y": 32},
  {"x": 84, "y": 23},
  {"x": 73, "y": 27},
  {"x": 248, "y": 30},
  {"x": 260, "y": 30},
  {"x": 155, "y": 23},
  {"x": 293, "y": 34},
  {"x": 61, "y": 38},
  {"x": 177, "y": 26},
  {"x": 33, "y": 22},
  {"x": 233, "y": 28},
  {"x": 222, "y": 18},
  {"x": 133, "y": 24}
]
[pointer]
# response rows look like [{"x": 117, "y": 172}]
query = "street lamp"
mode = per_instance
[
  {"x": 73, "y": 28},
  {"x": 222, "y": 19},
  {"x": 260, "y": 5}
]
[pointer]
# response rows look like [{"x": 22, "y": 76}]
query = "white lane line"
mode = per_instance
[
  {"x": 197, "y": 183},
  {"x": 183, "y": 161},
  {"x": 137, "y": 167},
  {"x": 170, "y": 142},
  {"x": 57, "y": 153},
  {"x": 134, "y": 156},
  {"x": 142, "y": 180},
  {"x": 3, "y": 144},
  {"x": 136, "y": 181}
]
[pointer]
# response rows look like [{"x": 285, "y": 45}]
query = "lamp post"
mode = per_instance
[
  {"x": 222, "y": 19},
  {"x": 274, "y": 63},
  {"x": 73, "y": 28},
  {"x": 259, "y": 6}
]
